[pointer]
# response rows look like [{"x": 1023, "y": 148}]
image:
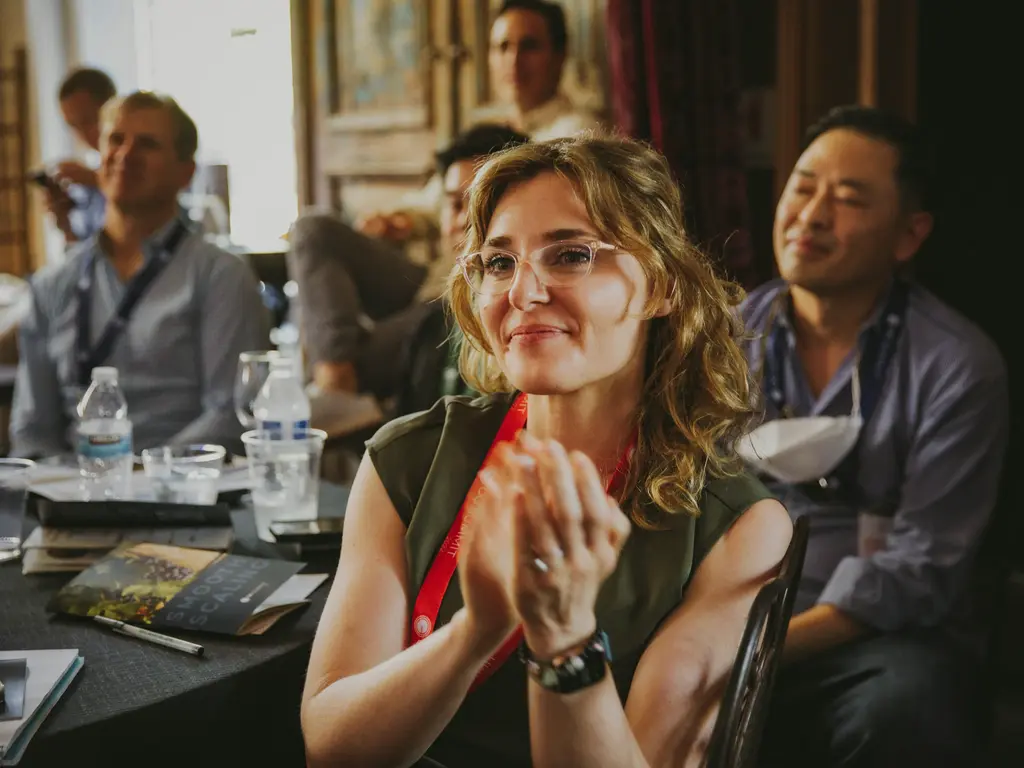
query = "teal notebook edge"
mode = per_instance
[{"x": 16, "y": 748}]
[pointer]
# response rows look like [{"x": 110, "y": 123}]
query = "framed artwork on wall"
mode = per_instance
[{"x": 382, "y": 75}]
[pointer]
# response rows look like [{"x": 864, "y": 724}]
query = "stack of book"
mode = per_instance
[
  {"x": 70, "y": 550},
  {"x": 73, "y": 534}
]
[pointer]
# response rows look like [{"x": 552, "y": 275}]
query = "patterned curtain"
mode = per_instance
[{"x": 674, "y": 70}]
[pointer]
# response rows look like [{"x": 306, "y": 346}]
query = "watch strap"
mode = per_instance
[{"x": 569, "y": 672}]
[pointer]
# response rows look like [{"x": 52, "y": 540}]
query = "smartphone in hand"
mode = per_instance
[{"x": 50, "y": 184}]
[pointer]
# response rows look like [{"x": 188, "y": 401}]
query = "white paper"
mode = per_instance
[
  {"x": 341, "y": 413},
  {"x": 295, "y": 590}
]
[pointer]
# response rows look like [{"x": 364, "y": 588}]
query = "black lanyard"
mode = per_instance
[
  {"x": 88, "y": 357},
  {"x": 876, "y": 356}
]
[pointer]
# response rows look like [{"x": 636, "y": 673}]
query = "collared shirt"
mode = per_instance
[
  {"x": 554, "y": 119},
  {"x": 176, "y": 359},
  {"x": 930, "y": 455},
  {"x": 89, "y": 212}
]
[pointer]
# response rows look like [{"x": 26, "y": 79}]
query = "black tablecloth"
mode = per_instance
[
  {"x": 134, "y": 703},
  {"x": 8, "y": 373}
]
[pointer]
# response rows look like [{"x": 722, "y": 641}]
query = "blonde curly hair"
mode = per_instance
[{"x": 697, "y": 400}]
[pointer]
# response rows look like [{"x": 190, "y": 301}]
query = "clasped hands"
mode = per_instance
[{"x": 537, "y": 546}]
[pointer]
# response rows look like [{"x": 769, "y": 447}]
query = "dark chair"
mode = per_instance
[
  {"x": 429, "y": 363},
  {"x": 998, "y": 595},
  {"x": 741, "y": 716}
]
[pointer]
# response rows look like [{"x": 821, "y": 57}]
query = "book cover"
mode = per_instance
[{"x": 169, "y": 587}]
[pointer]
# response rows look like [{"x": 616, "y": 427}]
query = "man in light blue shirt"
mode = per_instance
[
  {"x": 858, "y": 363},
  {"x": 197, "y": 306}
]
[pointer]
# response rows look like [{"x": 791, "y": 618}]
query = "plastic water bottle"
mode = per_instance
[
  {"x": 286, "y": 339},
  {"x": 282, "y": 408},
  {"x": 104, "y": 437}
]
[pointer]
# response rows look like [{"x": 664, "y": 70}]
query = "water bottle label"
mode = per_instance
[
  {"x": 292, "y": 430},
  {"x": 105, "y": 446}
]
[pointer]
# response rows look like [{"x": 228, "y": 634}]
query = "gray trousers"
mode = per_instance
[
  {"x": 345, "y": 277},
  {"x": 897, "y": 700}
]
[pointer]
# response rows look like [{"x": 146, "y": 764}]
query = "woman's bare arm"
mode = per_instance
[
  {"x": 368, "y": 701},
  {"x": 674, "y": 699},
  {"x": 680, "y": 677}
]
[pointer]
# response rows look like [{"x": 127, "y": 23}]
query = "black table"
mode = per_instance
[
  {"x": 8, "y": 373},
  {"x": 134, "y": 703}
]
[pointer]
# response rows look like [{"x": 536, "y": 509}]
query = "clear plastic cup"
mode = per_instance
[
  {"x": 15, "y": 476},
  {"x": 168, "y": 468},
  {"x": 285, "y": 477},
  {"x": 158, "y": 466},
  {"x": 201, "y": 486}
]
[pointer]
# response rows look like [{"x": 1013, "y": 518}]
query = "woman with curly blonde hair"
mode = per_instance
[{"x": 556, "y": 573}]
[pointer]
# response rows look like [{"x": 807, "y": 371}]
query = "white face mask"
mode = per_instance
[{"x": 803, "y": 449}]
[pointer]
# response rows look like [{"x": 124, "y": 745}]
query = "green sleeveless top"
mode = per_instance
[{"x": 427, "y": 462}]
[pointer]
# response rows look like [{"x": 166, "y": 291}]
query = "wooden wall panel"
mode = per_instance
[{"x": 841, "y": 52}]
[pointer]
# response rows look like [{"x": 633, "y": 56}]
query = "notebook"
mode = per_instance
[{"x": 49, "y": 675}]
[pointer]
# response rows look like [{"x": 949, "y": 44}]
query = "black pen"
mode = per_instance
[{"x": 150, "y": 636}]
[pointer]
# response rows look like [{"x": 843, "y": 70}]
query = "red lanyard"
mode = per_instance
[{"x": 435, "y": 583}]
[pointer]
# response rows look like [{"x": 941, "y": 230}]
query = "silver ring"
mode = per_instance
[{"x": 552, "y": 557}]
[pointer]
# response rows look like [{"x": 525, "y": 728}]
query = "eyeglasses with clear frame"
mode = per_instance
[{"x": 492, "y": 271}]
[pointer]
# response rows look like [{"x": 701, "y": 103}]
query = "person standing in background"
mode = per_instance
[
  {"x": 528, "y": 48},
  {"x": 526, "y": 58},
  {"x": 75, "y": 201}
]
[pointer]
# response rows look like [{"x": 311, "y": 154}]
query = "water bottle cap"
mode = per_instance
[{"x": 104, "y": 373}]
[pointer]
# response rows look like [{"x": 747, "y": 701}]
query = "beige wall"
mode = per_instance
[{"x": 13, "y": 35}]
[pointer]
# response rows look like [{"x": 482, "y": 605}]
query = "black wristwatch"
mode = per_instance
[{"x": 570, "y": 672}]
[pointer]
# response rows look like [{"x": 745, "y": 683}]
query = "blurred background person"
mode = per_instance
[
  {"x": 73, "y": 196},
  {"x": 179, "y": 309},
  {"x": 377, "y": 295},
  {"x": 528, "y": 44}
]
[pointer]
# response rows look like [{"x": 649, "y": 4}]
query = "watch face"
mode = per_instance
[
  {"x": 548, "y": 677},
  {"x": 571, "y": 673}
]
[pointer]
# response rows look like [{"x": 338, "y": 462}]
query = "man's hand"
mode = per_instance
[
  {"x": 396, "y": 227},
  {"x": 59, "y": 204},
  {"x": 819, "y": 629},
  {"x": 75, "y": 173}
]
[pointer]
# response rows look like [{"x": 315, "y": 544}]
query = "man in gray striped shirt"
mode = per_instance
[
  {"x": 177, "y": 353},
  {"x": 885, "y": 421}
]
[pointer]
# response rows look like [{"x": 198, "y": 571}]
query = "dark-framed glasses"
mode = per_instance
[{"x": 492, "y": 271}]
